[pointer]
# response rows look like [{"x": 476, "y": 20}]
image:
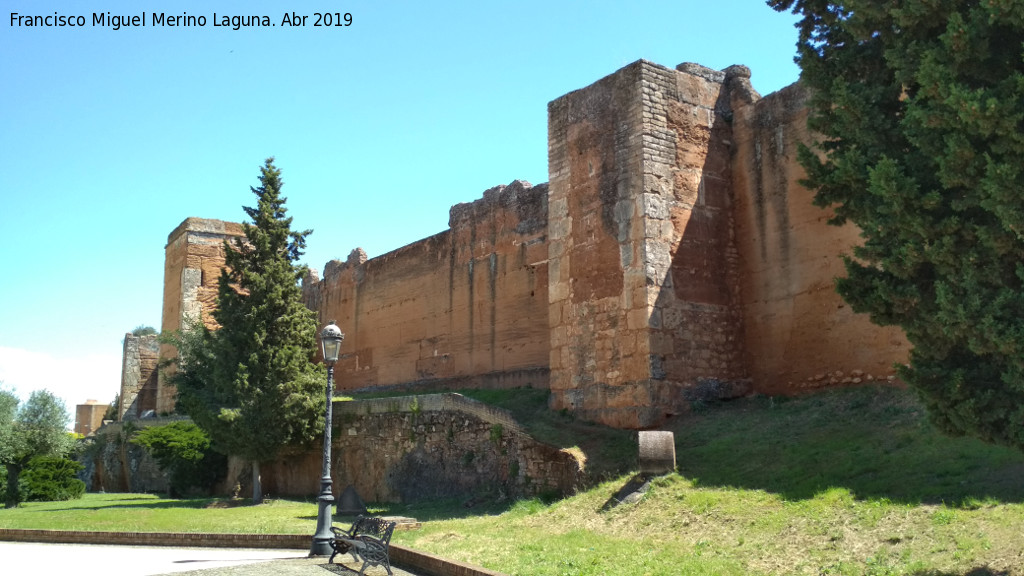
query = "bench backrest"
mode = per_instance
[{"x": 376, "y": 527}]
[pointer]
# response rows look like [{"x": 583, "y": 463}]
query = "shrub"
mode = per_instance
[
  {"x": 48, "y": 478},
  {"x": 182, "y": 450}
]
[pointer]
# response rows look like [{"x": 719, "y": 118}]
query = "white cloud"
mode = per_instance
[{"x": 73, "y": 379}]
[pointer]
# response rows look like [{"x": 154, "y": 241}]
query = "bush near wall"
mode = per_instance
[{"x": 48, "y": 478}]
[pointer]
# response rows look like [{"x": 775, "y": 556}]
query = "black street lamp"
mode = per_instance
[{"x": 330, "y": 342}]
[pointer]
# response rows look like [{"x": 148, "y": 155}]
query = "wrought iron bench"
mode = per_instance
[{"x": 367, "y": 539}]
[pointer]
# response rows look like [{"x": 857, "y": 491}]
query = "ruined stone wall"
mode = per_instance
[
  {"x": 193, "y": 260},
  {"x": 403, "y": 449},
  {"x": 464, "y": 308},
  {"x": 113, "y": 464},
  {"x": 139, "y": 376},
  {"x": 799, "y": 334},
  {"x": 419, "y": 448}
]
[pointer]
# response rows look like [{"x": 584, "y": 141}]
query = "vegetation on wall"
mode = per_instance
[
  {"x": 919, "y": 107},
  {"x": 182, "y": 451},
  {"x": 251, "y": 384}
]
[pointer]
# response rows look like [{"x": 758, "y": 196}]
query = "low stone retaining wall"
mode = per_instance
[
  {"x": 414, "y": 448},
  {"x": 400, "y": 449}
]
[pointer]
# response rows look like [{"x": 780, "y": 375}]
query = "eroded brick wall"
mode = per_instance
[
  {"x": 644, "y": 287},
  {"x": 464, "y": 308},
  {"x": 686, "y": 261},
  {"x": 696, "y": 327},
  {"x": 799, "y": 334},
  {"x": 193, "y": 260}
]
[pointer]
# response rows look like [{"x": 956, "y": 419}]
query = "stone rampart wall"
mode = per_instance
[
  {"x": 673, "y": 256},
  {"x": 799, "y": 334},
  {"x": 113, "y": 464},
  {"x": 193, "y": 259},
  {"x": 139, "y": 376},
  {"x": 464, "y": 308}
]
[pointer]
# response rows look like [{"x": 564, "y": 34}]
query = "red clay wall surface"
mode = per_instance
[
  {"x": 193, "y": 260},
  {"x": 799, "y": 333},
  {"x": 464, "y": 308}
]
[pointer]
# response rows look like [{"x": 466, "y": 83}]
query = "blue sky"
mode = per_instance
[{"x": 112, "y": 137}]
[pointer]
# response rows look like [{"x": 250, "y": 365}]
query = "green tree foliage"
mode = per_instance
[
  {"x": 182, "y": 450},
  {"x": 111, "y": 411},
  {"x": 37, "y": 428},
  {"x": 920, "y": 111},
  {"x": 51, "y": 478},
  {"x": 251, "y": 384}
]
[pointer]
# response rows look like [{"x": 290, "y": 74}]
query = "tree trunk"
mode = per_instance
[
  {"x": 13, "y": 472},
  {"x": 125, "y": 473},
  {"x": 257, "y": 488}
]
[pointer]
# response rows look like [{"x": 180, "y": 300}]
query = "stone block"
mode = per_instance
[
  {"x": 657, "y": 452},
  {"x": 637, "y": 319},
  {"x": 653, "y": 206}
]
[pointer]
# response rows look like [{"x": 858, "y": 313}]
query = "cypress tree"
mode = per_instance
[
  {"x": 919, "y": 108},
  {"x": 251, "y": 384}
]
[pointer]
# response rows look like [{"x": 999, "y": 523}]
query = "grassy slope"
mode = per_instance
[
  {"x": 845, "y": 482},
  {"x": 850, "y": 482}
]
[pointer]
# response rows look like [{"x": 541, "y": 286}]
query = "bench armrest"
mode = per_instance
[{"x": 341, "y": 533}]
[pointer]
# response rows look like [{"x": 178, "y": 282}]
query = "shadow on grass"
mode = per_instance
[
  {"x": 147, "y": 504},
  {"x": 442, "y": 509},
  {"x": 874, "y": 441},
  {"x": 981, "y": 571}
]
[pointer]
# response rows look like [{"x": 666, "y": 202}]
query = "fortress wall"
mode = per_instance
[
  {"x": 644, "y": 284},
  {"x": 696, "y": 328},
  {"x": 464, "y": 308},
  {"x": 193, "y": 259},
  {"x": 799, "y": 332},
  {"x": 598, "y": 292},
  {"x": 89, "y": 417},
  {"x": 673, "y": 256},
  {"x": 139, "y": 390}
]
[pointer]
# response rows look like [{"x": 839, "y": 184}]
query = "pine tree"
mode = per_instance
[
  {"x": 920, "y": 111},
  {"x": 251, "y": 384}
]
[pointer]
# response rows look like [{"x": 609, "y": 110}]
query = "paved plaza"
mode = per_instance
[{"x": 36, "y": 559}]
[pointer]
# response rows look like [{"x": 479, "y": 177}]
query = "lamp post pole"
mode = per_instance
[{"x": 330, "y": 341}]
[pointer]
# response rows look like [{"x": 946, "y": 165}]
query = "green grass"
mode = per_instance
[
  {"x": 151, "y": 513},
  {"x": 844, "y": 483}
]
